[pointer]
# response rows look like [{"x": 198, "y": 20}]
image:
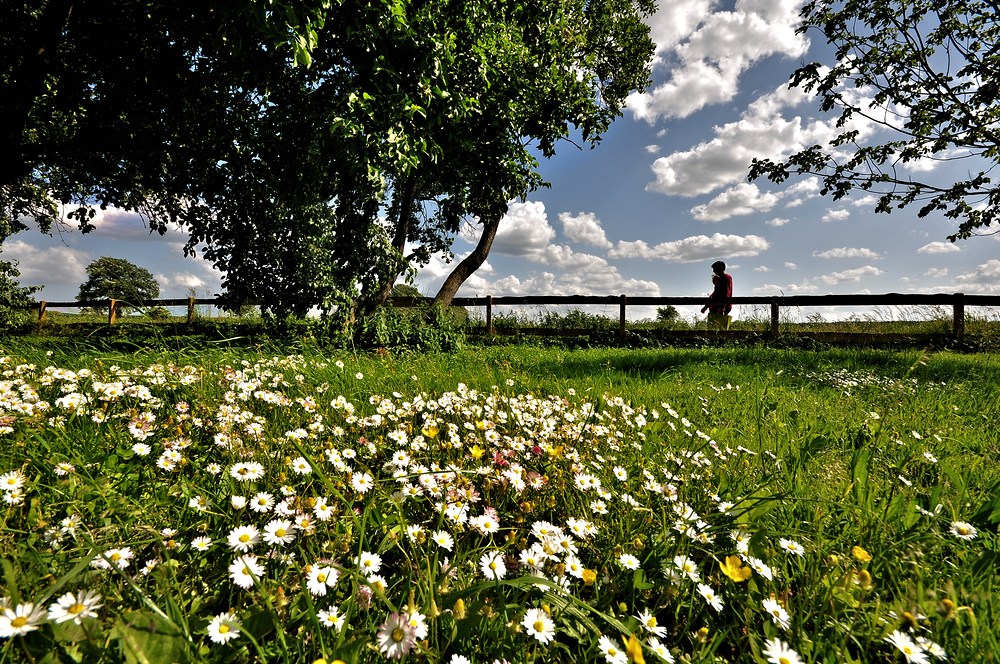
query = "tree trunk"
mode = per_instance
[
  {"x": 28, "y": 82},
  {"x": 404, "y": 220},
  {"x": 469, "y": 264}
]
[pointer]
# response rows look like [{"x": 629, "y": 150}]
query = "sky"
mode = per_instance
[{"x": 658, "y": 201}]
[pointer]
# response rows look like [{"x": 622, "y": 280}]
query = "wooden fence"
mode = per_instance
[{"x": 957, "y": 302}]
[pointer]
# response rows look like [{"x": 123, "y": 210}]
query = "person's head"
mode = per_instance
[{"x": 718, "y": 267}]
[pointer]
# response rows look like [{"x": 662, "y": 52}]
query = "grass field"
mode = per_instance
[{"x": 492, "y": 504}]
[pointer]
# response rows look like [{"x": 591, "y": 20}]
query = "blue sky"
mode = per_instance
[{"x": 664, "y": 195}]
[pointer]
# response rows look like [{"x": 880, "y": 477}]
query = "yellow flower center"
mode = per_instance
[
  {"x": 784, "y": 660},
  {"x": 398, "y": 634},
  {"x": 223, "y": 628},
  {"x": 539, "y": 626},
  {"x": 76, "y": 608},
  {"x": 20, "y": 621},
  {"x": 280, "y": 532},
  {"x": 493, "y": 565},
  {"x": 651, "y": 622},
  {"x": 244, "y": 538},
  {"x": 321, "y": 578},
  {"x": 115, "y": 557}
]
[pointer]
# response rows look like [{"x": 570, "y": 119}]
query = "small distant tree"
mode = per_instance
[
  {"x": 118, "y": 279},
  {"x": 667, "y": 314}
]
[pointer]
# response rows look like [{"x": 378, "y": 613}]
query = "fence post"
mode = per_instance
[
  {"x": 774, "y": 317},
  {"x": 112, "y": 306},
  {"x": 621, "y": 316},
  {"x": 190, "y": 318},
  {"x": 489, "y": 314},
  {"x": 41, "y": 311},
  {"x": 958, "y": 316}
]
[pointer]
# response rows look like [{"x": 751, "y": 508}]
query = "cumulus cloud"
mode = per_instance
[
  {"x": 585, "y": 228},
  {"x": 694, "y": 248},
  {"x": 939, "y": 248},
  {"x": 744, "y": 198},
  {"x": 848, "y": 252},
  {"x": 936, "y": 272},
  {"x": 706, "y": 51},
  {"x": 761, "y": 131},
  {"x": 789, "y": 289},
  {"x": 180, "y": 280},
  {"x": 549, "y": 283},
  {"x": 125, "y": 225},
  {"x": 791, "y": 266},
  {"x": 836, "y": 215},
  {"x": 777, "y": 222},
  {"x": 986, "y": 278},
  {"x": 524, "y": 230},
  {"x": 855, "y": 275},
  {"x": 48, "y": 267}
]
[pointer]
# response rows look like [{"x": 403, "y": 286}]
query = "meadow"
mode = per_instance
[{"x": 517, "y": 504}]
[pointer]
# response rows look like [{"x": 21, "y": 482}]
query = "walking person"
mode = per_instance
[{"x": 720, "y": 300}]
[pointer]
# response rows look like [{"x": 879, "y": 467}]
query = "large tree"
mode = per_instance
[
  {"x": 929, "y": 71},
  {"x": 319, "y": 185},
  {"x": 118, "y": 279}
]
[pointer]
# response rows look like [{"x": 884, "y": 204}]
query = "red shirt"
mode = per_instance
[{"x": 719, "y": 299}]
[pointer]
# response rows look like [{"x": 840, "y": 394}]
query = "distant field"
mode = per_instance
[{"x": 517, "y": 503}]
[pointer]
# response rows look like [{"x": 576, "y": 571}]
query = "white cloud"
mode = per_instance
[
  {"x": 847, "y": 252},
  {"x": 936, "y": 272},
  {"x": 809, "y": 187},
  {"x": 585, "y": 228},
  {"x": 867, "y": 200},
  {"x": 181, "y": 280},
  {"x": 707, "y": 52},
  {"x": 789, "y": 289},
  {"x": 777, "y": 222},
  {"x": 762, "y": 131},
  {"x": 693, "y": 249},
  {"x": 523, "y": 230},
  {"x": 791, "y": 266},
  {"x": 855, "y": 275},
  {"x": 652, "y": 148},
  {"x": 608, "y": 282},
  {"x": 939, "y": 248},
  {"x": 125, "y": 225},
  {"x": 744, "y": 198},
  {"x": 563, "y": 257},
  {"x": 986, "y": 278},
  {"x": 48, "y": 267},
  {"x": 762, "y": 268},
  {"x": 836, "y": 215}
]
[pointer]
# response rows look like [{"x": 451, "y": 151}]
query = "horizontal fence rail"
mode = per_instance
[{"x": 957, "y": 301}]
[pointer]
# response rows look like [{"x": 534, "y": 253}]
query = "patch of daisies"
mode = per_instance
[{"x": 382, "y": 523}]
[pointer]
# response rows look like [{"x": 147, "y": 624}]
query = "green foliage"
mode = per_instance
[
  {"x": 118, "y": 279},
  {"x": 933, "y": 72},
  {"x": 423, "y": 329},
  {"x": 577, "y": 319},
  {"x": 14, "y": 298},
  {"x": 431, "y": 113},
  {"x": 667, "y": 314}
]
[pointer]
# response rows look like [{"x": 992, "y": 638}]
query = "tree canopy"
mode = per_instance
[
  {"x": 118, "y": 279},
  {"x": 312, "y": 185},
  {"x": 928, "y": 70}
]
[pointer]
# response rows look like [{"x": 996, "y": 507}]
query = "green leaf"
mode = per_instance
[{"x": 146, "y": 638}]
